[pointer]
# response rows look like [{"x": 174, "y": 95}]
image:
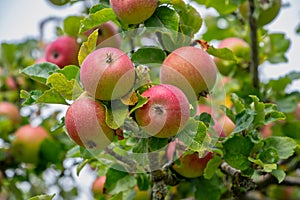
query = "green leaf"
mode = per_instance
[
  {"x": 68, "y": 89},
  {"x": 50, "y": 152},
  {"x": 284, "y": 146},
  {"x": 98, "y": 18},
  {"x": 40, "y": 72},
  {"x": 51, "y": 96},
  {"x": 148, "y": 55},
  {"x": 43, "y": 197},
  {"x": 71, "y": 25},
  {"x": 70, "y": 72},
  {"x": 259, "y": 108},
  {"x": 279, "y": 45},
  {"x": 141, "y": 101},
  {"x": 194, "y": 136},
  {"x": 157, "y": 143},
  {"x": 223, "y": 53},
  {"x": 88, "y": 46},
  {"x": 279, "y": 174},
  {"x": 30, "y": 97},
  {"x": 223, "y": 7},
  {"x": 164, "y": 17},
  {"x": 142, "y": 181},
  {"x": 269, "y": 155},
  {"x": 272, "y": 114},
  {"x": 237, "y": 102},
  {"x": 237, "y": 150},
  {"x": 116, "y": 114},
  {"x": 74, "y": 152},
  {"x": 207, "y": 189},
  {"x": 243, "y": 121},
  {"x": 190, "y": 17},
  {"x": 266, "y": 167},
  {"x": 212, "y": 166},
  {"x": 118, "y": 180}
]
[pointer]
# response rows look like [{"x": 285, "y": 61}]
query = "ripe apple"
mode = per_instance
[
  {"x": 107, "y": 73},
  {"x": 227, "y": 124},
  {"x": 133, "y": 11},
  {"x": 268, "y": 10},
  {"x": 166, "y": 112},
  {"x": 98, "y": 185},
  {"x": 10, "y": 111},
  {"x": 191, "y": 165},
  {"x": 63, "y": 51},
  {"x": 191, "y": 69},
  {"x": 85, "y": 122},
  {"x": 107, "y": 35},
  {"x": 27, "y": 141},
  {"x": 239, "y": 47}
]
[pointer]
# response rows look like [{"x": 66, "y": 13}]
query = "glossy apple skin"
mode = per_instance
[
  {"x": 27, "y": 142},
  {"x": 191, "y": 165},
  {"x": 108, "y": 35},
  {"x": 166, "y": 112},
  {"x": 11, "y": 111},
  {"x": 63, "y": 51},
  {"x": 98, "y": 185},
  {"x": 134, "y": 11},
  {"x": 191, "y": 69},
  {"x": 239, "y": 47},
  {"x": 107, "y": 74},
  {"x": 267, "y": 13},
  {"x": 85, "y": 122}
]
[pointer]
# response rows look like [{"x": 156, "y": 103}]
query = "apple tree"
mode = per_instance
[{"x": 161, "y": 102}]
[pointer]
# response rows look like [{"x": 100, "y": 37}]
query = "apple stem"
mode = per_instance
[{"x": 254, "y": 63}]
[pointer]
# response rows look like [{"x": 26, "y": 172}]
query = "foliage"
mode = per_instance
[{"x": 135, "y": 162}]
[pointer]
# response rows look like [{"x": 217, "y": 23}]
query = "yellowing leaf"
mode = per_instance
[{"x": 88, "y": 46}]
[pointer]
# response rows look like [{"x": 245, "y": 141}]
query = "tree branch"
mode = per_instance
[{"x": 254, "y": 62}]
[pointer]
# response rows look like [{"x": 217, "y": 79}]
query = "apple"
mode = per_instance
[
  {"x": 63, "y": 51},
  {"x": 107, "y": 74},
  {"x": 98, "y": 185},
  {"x": 107, "y": 35},
  {"x": 227, "y": 124},
  {"x": 85, "y": 122},
  {"x": 241, "y": 50},
  {"x": 190, "y": 165},
  {"x": 191, "y": 69},
  {"x": 27, "y": 141},
  {"x": 11, "y": 111},
  {"x": 266, "y": 130},
  {"x": 133, "y": 11},
  {"x": 166, "y": 113},
  {"x": 268, "y": 10}
]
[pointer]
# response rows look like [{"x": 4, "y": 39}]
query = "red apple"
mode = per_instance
[
  {"x": 191, "y": 69},
  {"x": 63, "y": 51},
  {"x": 27, "y": 141},
  {"x": 241, "y": 50},
  {"x": 107, "y": 35},
  {"x": 191, "y": 165},
  {"x": 107, "y": 73},
  {"x": 98, "y": 185},
  {"x": 85, "y": 122},
  {"x": 133, "y": 11},
  {"x": 10, "y": 111},
  {"x": 268, "y": 10},
  {"x": 166, "y": 112}
]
